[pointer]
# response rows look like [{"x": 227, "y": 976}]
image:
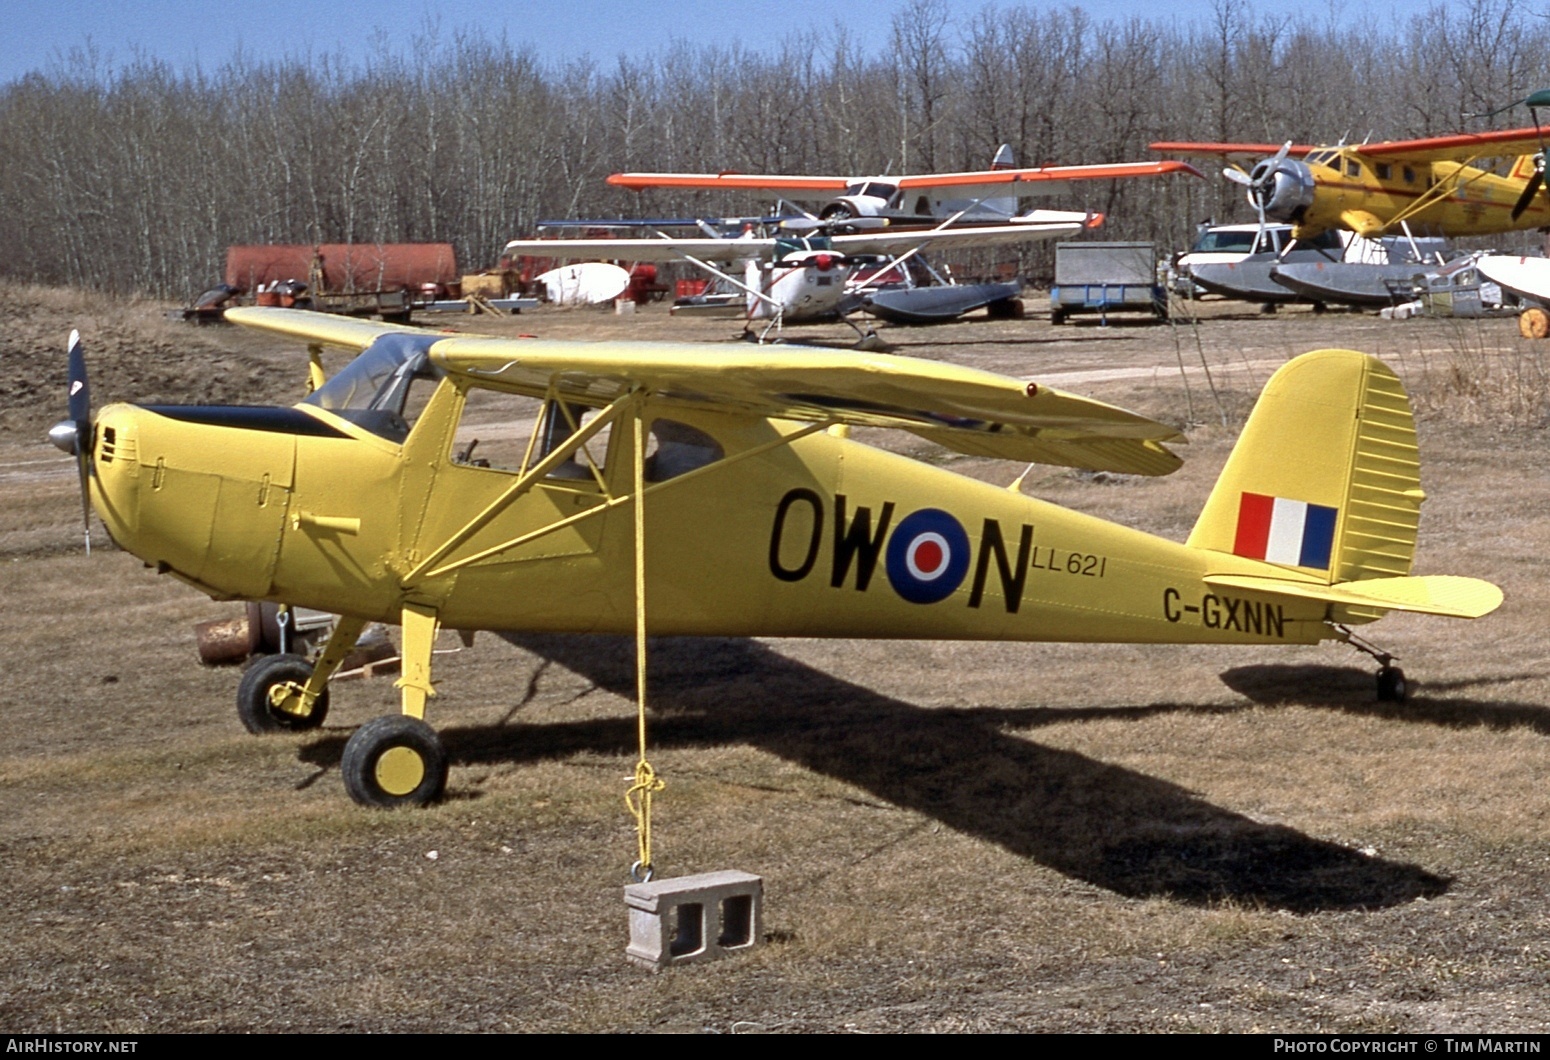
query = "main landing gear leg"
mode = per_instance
[
  {"x": 398, "y": 760},
  {"x": 867, "y": 340},
  {"x": 1392, "y": 687}
]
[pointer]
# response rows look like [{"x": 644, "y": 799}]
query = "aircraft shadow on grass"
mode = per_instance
[
  {"x": 1350, "y": 691},
  {"x": 1110, "y": 826}
]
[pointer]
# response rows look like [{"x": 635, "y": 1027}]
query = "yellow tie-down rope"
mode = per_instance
[{"x": 647, "y": 783}]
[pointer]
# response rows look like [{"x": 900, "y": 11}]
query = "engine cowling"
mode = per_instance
[{"x": 1282, "y": 188}]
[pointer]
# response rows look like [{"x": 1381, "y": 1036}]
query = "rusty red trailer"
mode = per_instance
[{"x": 346, "y": 267}]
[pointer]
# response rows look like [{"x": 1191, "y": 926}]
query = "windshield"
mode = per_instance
[
  {"x": 373, "y": 390},
  {"x": 1217, "y": 241}
]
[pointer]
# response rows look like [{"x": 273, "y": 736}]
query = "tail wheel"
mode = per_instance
[
  {"x": 1391, "y": 685},
  {"x": 269, "y": 696},
  {"x": 394, "y": 761}
]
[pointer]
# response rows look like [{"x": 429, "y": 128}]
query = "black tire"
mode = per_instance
[
  {"x": 394, "y": 761},
  {"x": 1392, "y": 687},
  {"x": 1057, "y": 317},
  {"x": 258, "y": 713}
]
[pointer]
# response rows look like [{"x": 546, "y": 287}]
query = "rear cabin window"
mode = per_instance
[{"x": 501, "y": 431}]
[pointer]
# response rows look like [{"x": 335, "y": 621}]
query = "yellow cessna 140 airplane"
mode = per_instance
[
  {"x": 1431, "y": 186},
  {"x": 500, "y": 484}
]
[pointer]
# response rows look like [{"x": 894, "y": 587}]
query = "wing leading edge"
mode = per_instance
[
  {"x": 1459, "y": 147},
  {"x": 1040, "y": 180},
  {"x": 1043, "y": 224}
]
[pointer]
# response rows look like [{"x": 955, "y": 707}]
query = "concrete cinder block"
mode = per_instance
[{"x": 694, "y": 918}]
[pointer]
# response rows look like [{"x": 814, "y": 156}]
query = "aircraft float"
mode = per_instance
[
  {"x": 1431, "y": 186},
  {"x": 677, "y": 489}
]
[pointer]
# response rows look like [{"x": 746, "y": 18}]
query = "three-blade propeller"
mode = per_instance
[{"x": 1261, "y": 182}]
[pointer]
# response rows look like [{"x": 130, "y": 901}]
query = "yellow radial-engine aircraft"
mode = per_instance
[
  {"x": 500, "y": 484},
  {"x": 1440, "y": 185}
]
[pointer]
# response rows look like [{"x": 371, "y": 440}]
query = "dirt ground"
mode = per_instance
[{"x": 952, "y": 836}]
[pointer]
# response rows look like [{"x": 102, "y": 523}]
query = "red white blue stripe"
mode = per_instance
[{"x": 1291, "y": 533}]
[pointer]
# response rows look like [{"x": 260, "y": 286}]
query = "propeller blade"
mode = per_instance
[
  {"x": 80, "y": 412},
  {"x": 1238, "y": 176},
  {"x": 1529, "y": 191},
  {"x": 80, "y": 390}
]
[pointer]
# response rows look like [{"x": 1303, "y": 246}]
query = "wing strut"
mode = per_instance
[{"x": 647, "y": 783}]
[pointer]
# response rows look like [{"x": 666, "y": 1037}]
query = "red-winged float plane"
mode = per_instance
[{"x": 978, "y": 195}]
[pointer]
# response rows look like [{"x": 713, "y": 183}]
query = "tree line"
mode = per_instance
[{"x": 135, "y": 176}]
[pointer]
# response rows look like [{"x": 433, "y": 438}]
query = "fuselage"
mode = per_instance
[
  {"x": 1342, "y": 188},
  {"x": 755, "y": 532}
]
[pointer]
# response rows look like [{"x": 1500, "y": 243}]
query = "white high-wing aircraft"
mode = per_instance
[
  {"x": 989, "y": 194},
  {"x": 793, "y": 276}
]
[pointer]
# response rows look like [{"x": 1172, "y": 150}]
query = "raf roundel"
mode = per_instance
[{"x": 928, "y": 556}]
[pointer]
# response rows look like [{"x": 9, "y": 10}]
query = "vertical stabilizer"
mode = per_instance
[{"x": 1325, "y": 479}]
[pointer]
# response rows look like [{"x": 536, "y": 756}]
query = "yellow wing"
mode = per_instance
[
  {"x": 323, "y": 329},
  {"x": 965, "y": 409},
  {"x": 962, "y": 408}
]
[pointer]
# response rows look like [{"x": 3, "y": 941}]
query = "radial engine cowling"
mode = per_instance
[{"x": 1283, "y": 188}]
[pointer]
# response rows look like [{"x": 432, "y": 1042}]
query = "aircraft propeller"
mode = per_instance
[
  {"x": 1533, "y": 102},
  {"x": 1261, "y": 181},
  {"x": 73, "y": 435},
  {"x": 1531, "y": 189},
  {"x": 1537, "y": 181}
]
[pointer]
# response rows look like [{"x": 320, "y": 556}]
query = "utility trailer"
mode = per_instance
[{"x": 1100, "y": 277}]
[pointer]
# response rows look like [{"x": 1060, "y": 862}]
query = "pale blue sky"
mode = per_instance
[{"x": 184, "y": 32}]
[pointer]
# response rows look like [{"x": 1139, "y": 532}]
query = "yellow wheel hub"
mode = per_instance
[{"x": 399, "y": 770}]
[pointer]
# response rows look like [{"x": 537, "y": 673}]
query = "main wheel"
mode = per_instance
[
  {"x": 271, "y": 684},
  {"x": 1391, "y": 685},
  {"x": 394, "y": 761},
  {"x": 1534, "y": 323}
]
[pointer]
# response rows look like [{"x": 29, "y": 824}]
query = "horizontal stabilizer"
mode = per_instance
[{"x": 1436, "y": 594}]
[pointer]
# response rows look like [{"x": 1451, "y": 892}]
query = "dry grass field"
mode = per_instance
[{"x": 954, "y": 836}]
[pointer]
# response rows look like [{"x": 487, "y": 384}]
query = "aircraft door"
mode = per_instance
[{"x": 533, "y": 560}]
